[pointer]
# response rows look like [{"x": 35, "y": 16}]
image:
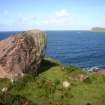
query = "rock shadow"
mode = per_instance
[{"x": 45, "y": 65}]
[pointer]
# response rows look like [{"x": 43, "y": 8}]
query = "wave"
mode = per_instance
[{"x": 95, "y": 68}]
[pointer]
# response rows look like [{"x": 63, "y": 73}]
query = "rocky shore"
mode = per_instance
[{"x": 99, "y": 71}]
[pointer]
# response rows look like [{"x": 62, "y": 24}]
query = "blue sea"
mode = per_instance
[{"x": 81, "y": 48}]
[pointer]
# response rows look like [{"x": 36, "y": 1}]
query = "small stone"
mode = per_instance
[
  {"x": 66, "y": 84},
  {"x": 12, "y": 81},
  {"x": 4, "y": 89}
]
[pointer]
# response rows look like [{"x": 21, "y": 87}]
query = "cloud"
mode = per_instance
[
  {"x": 28, "y": 19},
  {"x": 25, "y": 20},
  {"x": 61, "y": 17},
  {"x": 62, "y": 13},
  {"x": 55, "y": 20}
]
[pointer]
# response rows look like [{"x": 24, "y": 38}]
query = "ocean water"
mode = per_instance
[{"x": 81, "y": 48}]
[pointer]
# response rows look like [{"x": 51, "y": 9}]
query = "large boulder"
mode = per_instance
[{"x": 21, "y": 53}]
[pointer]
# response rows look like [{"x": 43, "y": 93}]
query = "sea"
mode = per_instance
[{"x": 81, "y": 48}]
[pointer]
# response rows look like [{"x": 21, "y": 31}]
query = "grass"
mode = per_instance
[
  {"x": 47, "y": 87},
  {"x": 89, "y": 92}
]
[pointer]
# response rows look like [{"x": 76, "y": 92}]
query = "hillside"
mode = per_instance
[
  {"x": 98, "y": 29},
  {"x": 55, "y": 84}
]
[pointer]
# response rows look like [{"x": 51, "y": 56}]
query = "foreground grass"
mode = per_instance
[{"x": 47, "y": 87}]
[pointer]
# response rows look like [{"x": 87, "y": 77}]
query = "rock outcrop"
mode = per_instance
[{"x": 21, "y": 53}]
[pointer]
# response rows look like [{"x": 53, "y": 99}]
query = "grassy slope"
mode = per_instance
[{"x": 47, "y": 89}]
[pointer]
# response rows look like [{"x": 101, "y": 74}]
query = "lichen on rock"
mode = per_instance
[{"x": 21, "y": 53}]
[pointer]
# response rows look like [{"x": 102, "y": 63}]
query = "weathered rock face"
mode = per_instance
[{"x": 21, "y": 53}]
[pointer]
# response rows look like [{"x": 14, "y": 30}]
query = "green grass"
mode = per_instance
[
  {"x": 89, "y": 92},
  {"x": 46, "y": 88}
]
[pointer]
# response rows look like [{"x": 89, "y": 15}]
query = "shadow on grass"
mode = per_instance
[
  {"x": 46, "y": 64},
  {"x": 8, "y": 99}
]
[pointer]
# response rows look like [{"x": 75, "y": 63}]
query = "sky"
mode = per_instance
[{"x": 17, "y": 15}]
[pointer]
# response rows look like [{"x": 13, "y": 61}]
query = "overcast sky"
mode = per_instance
[{"x": 51, "y": 14}]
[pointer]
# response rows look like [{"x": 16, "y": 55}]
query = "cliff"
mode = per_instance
[{"x": 21, "y": 53}]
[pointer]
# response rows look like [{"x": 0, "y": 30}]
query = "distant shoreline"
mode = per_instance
[{"x": 97, "y": 29}]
